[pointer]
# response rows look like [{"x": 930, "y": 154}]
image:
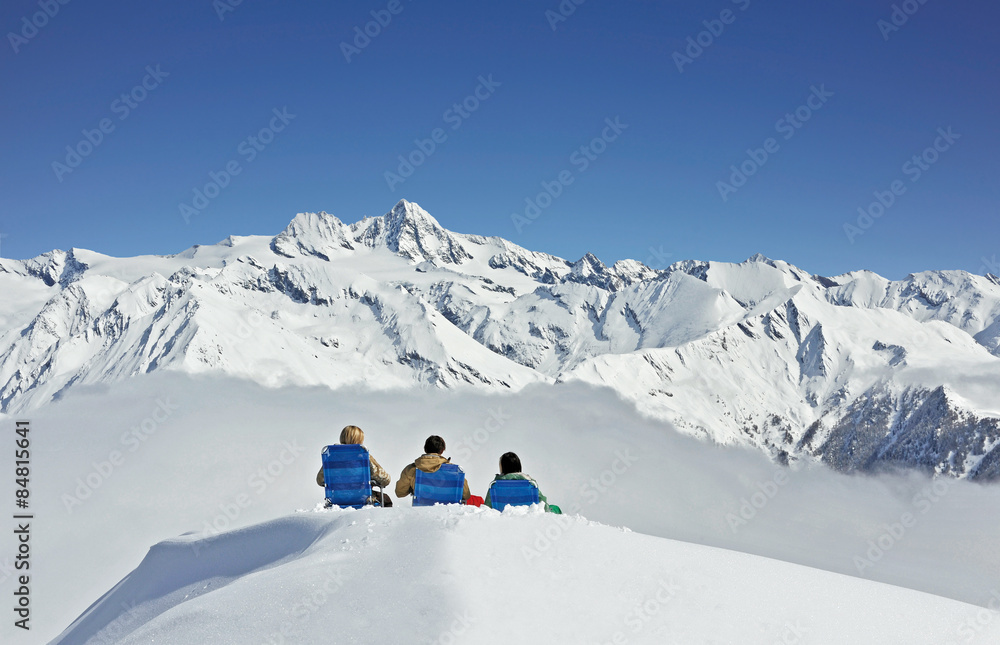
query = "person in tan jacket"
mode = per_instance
[
  {"x": 429, "y": 462},
  {"x": 355, "y": 435}
]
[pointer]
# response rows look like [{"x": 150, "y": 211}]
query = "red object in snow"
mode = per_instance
[{"x": 474, "y": 500}]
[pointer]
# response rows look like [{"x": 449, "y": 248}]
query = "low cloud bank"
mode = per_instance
[{"x": 117, "y": 470}]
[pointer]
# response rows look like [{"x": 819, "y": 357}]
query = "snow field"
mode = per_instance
[
  {"x": 456, "y": 574},
  {"x": 226, "y": 454}
]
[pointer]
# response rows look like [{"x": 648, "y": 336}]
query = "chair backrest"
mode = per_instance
[
  {"x": 512, "y": 492},
  {"x": 444, "y": 486},
  {"x": 347, "y": 474}
]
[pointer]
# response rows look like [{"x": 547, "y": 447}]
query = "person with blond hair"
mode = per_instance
[{"x": 356, "y": 436}]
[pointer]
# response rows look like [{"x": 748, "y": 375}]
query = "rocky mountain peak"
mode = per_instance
[
  {"x": 413, "y": 233},
  {"x": 319, "y": 234}
]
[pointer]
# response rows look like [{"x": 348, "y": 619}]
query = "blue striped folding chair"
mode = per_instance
[
  {"x": 445, "y": 486},
  {"x": 347, "y": 475},
  {"x": 512, "y": 492}
]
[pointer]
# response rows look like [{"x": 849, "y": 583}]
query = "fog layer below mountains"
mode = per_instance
[{"x": 115, "y": 470}]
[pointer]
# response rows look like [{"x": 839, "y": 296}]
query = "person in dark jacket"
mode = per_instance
[
  {"x": 429, "y": 462},
  {"x": 510, "y": 468},
  {"x": 355, "y": 435}
]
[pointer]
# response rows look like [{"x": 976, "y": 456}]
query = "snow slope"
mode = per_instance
[
  {"x": 202, "y": 454},
  {"x": 856, "y": 371},
  {"x": 460, "y": 574}
]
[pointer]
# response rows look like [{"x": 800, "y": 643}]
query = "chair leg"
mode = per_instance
[{"x": 381, "y": 494}]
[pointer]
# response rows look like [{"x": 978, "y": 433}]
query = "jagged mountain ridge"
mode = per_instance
[{"x": 855, "y": 370}]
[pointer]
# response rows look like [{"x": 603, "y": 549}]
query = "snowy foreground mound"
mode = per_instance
[{"x": 467, "y": 575}]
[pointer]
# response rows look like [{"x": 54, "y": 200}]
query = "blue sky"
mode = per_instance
[{"x": 649, "y": 190}]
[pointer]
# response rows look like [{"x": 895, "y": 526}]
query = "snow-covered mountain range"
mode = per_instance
[{"x": 854, "y": 370}]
